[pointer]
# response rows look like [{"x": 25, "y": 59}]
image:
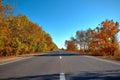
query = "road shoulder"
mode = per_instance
[{"x": 104, "y": 60}]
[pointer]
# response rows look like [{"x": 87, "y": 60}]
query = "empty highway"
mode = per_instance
[{"x": 60, "y": 65}]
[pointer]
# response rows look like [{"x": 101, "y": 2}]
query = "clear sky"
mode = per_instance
[{"x": 62, "y": 18}]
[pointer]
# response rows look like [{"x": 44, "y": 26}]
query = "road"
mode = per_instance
[{"x": 60, "y": 65}]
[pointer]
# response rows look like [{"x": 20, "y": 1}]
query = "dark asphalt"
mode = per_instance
[{"x": 49, "y": 66}]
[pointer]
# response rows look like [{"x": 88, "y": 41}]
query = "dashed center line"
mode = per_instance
[
  {"x": 62, "y": 76},
  {"x": 60, "y": 57}
]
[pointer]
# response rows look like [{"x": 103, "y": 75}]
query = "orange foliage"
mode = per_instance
[
  {"x": 19, "y": 35},
  {"x": 100, "y": 41}
]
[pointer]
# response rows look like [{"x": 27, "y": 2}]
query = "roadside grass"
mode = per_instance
[
  {"x": 4, "y": 58},
  {"x": 116, "y": 58}
]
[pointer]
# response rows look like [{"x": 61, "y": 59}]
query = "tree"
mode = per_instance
[
  {"x": 99, "y": 41},
  {"x": 109, "y": 29},
  {"x": 104, "y": 40},
  {"x": 70, "y": 45},
  {"x": 19, "y": 35}
]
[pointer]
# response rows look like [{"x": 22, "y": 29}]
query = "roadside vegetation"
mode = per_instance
[
  {"x": 101, "y": 41},
  {"x": 19, "y": 35}
]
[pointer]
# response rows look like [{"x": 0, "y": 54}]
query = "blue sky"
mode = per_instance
[{"x": 62, "y": 18}]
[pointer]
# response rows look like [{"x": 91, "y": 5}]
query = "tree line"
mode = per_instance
[
  {"x": 19, "y": 35},
  {"x": 99, "y": 41}
]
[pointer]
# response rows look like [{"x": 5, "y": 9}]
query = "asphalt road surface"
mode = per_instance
[{"x": 60, "y": 65}]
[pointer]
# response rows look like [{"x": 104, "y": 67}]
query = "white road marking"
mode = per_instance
[
  {"x": 103, "y": 60},
  {"x": 62, "y": 76},
  {"x": 12, "y": 61},
  {"x": 60, "y": 57}
]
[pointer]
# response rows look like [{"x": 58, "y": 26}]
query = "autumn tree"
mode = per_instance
[
  {"x": 99, "y": 41},
  {"x": 1, "y": 10},
  {"x": 19, "y": 35},
  {"x": 83, "y": 39},
  {"x": 109, "y": 30},
  {"x": 71, "y": 45}
]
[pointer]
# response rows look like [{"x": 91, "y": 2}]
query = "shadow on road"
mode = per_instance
[
  {"x": 36, "y": 77},
  {"x": 102, "y": 75},
  {"x": 61, "y": 54}
]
